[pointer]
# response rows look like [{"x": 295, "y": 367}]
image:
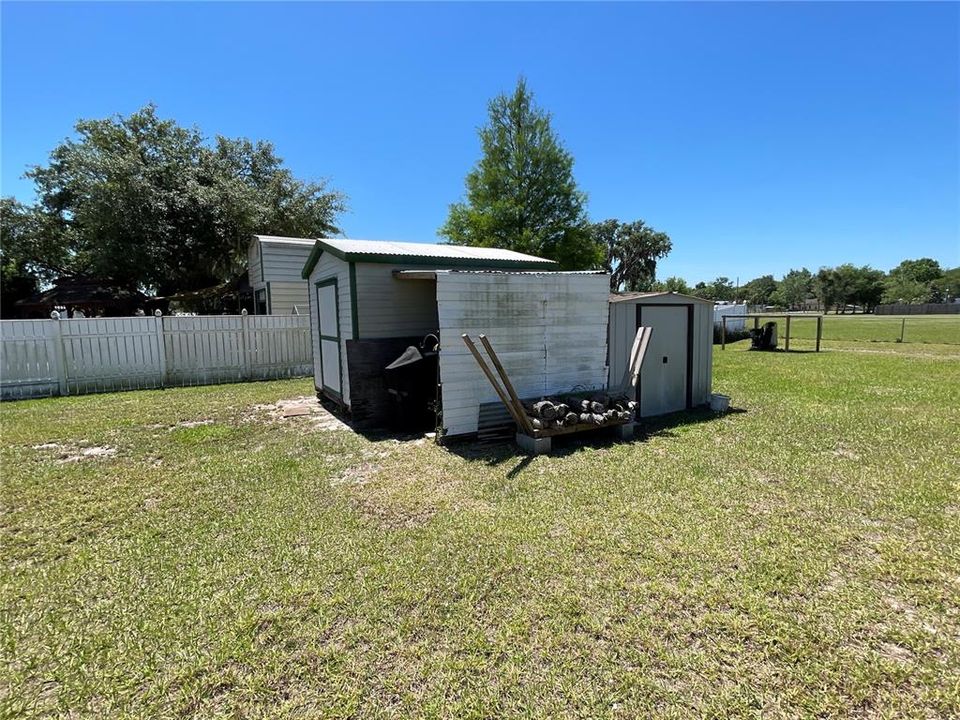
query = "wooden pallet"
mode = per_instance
[
  {"x": 538, "y": 439},
  {"x": 579, "y": 427}
]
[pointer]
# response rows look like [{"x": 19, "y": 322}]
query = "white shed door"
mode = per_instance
[
  {"x": 329, "y": 325},
  {"x": 663, "y": 377}
]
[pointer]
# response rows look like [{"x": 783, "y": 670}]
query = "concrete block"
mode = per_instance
[
  {"x": 625, "y": 432},
  {"x": 719, "y": 403},
  {"x": 534, "y": 446}
]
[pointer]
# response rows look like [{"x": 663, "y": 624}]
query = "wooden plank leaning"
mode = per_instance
[
  {"x": 493, "y": 381},
  {"x": 508, "y": 386},
  {"x": 638, "y": 360},
  {"x": 637, "y": 353}
]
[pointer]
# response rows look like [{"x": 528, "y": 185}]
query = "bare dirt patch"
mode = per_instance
[
  {"x": 75, "y": 453},
  {"x": 356, "y": 475},
  {"x": 895, "y": 652},
  {"x": 400, "y": 486},
  {"x": 305, "y": 411},
  {"x": 191, "y": 424}
]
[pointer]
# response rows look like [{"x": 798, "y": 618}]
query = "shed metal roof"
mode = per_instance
[
  {"x": 628, "y": 297},
  {"x": 383, "y": 251},
  {"x": 427, "y": 274},
  {"x": 279, "y": 240}
]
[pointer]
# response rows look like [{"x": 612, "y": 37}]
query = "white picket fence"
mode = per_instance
[{"x": 39, "y": 358}]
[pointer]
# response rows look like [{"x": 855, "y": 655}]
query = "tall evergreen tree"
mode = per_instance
[{"x": 521, "y": 195}]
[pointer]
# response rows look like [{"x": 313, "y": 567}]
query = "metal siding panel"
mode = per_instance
[
  {"x": 389, "y": 307},
  {"x": 284, "y": 263},
  {"x": 621, "y": 332},
  {"x": 704, "y": 340},
  {"x": 253, "y": 263},
  {"x": 284, "y": 296},
  {"x": 549, "y": 331}
]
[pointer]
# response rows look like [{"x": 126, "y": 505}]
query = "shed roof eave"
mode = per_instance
[
  {"x": 627, "y": 297},
  {"x": 432, "y": 273},
  {"x": 427, "y": 260},
  {"x": 280, "y": 240}
]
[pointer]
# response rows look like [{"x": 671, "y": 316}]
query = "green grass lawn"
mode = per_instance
[
  {"x": 799, "y": 557},
  {"x": 934, "y": 329}
]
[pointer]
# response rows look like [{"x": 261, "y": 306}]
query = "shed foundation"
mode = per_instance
[{"x": 534, "y": 446}]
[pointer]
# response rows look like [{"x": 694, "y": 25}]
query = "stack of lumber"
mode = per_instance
[{"x": 597, "y": 410}]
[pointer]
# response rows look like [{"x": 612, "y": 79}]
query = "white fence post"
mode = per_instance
[
  {"x": 161, "y": 347},
  {"x": 244, "y": 343},
  {"x": 59, "y": 354}
]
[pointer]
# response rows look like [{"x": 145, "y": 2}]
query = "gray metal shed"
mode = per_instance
[
  {"x": 677, "y": 369},
  {"x": 274, "y": 265}
]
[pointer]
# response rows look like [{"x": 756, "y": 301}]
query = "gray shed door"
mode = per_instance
[
  {"x": 329, "y": 324},
  {"x": 663, "y": 377}
]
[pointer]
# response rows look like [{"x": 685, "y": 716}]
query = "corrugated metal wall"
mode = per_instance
[
  {"x": 549, "y": 330},
  {"x": 284, "y": 262},
  {"x": 733, "y": 313},
  {"x": 285, "y": 296},
  {"x": 253, "y": 263},
  {"x": 623, "y": 328}
]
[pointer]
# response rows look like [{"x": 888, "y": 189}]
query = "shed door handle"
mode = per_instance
[{"x": 664, "y": 359}]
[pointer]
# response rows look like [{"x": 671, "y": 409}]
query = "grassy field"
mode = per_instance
[
  {"x": 798, "y": 557},
  {"x": 933, "y": 329}
]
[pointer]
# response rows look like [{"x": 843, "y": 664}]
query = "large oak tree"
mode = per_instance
[
  {"x": 147, "y": 203},
  {"x": 631, "y": 251}
]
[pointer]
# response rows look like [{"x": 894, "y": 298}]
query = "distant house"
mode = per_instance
[
  {"x": 274, "y": 265},
  {"x": 228, "y": 297},
  {"x": 82, "y": 297}
]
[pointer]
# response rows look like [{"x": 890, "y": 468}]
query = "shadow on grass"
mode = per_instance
[
  {"x": 775, "y": 351},
  {"x": 500, "y": 450},
  {"x": 497, "y": 452}
]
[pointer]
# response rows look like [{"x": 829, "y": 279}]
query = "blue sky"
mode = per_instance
[{"x": 759, "y": 136}]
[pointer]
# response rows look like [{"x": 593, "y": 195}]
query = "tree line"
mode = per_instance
[
  {"x": 912, "y": 281},
  {"x": 147, "y": 204}
]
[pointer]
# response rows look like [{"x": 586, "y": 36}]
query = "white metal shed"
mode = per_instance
[
  {"x": 274, "y": 265},
  {"x": 370, "y": 300},
  {"x": 677, "y": 369}
]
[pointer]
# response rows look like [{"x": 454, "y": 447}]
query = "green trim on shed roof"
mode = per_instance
[{"x": 425, "y": 260}]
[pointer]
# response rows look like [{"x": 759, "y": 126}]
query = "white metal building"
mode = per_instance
[
  {"x": 548, "y": 328},
  {"x": 274, "y": 265},
  {"x": 677, "y": 370},
  {"x": 735, "y": 314}
]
